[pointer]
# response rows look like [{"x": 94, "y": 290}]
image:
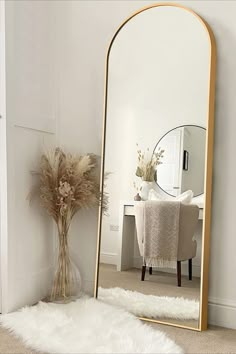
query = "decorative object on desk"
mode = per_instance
[
  {"x": 138, "y": 188},
  {"x": 146, "y": 188},
  {"x": 147, "y": 164},
  {"x": 66, "y": 184},
  {"x": 147, "y": 168},
  {"x": 137, "y": 197}
]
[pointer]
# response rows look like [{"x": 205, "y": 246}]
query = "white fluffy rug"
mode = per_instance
[
  {"x": 150, "y": 306},
  {"x": 85, "y": 326}
]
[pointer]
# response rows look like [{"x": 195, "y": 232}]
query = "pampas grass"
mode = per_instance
[
  {"x": 66, "y": 183},
  {"x": 147, "y": 164}
]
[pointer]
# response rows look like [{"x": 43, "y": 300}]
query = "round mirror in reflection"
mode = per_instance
[{"x": 183, "y": 163}]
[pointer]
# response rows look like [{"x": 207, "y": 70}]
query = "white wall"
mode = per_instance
[
  {"x": 80, "y": 100},
  {"x": 91, "y": 25},
  {"x": 30, "y": 116}
]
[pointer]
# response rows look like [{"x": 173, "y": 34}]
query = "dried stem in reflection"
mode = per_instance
[{"x": 147, "y": 164}]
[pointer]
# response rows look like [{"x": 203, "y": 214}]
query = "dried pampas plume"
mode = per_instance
[{"x": 66, "y": 183}]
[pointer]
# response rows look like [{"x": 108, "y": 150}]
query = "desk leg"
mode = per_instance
[{"x": 126, "y": 240}]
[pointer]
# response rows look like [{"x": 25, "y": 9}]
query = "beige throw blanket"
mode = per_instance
[{"x": 157, "y": 225}]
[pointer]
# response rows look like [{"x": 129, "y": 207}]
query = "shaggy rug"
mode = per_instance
[
  {"x": 85, "y": 326},
  {"x": 150, "y": 306}
]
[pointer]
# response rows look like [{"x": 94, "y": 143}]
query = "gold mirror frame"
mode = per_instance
[{"x": 208, "y": 171}]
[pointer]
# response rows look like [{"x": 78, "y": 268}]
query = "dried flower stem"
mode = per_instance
[
  {"x": 147, "y": 165},
  {"x": 64, "y": 277}
]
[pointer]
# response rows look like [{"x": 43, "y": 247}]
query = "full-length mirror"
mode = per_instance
[{"x": 157, "y": 162}]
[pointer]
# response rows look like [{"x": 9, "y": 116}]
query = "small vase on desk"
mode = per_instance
[
  {"x": 137, "y": 198},
  {"x": 146, "y": 186}
]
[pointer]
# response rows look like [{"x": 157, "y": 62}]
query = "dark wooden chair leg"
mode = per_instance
[
  {"x": 143, "y": 272},
  {"x": 179, "y": 273},
  {"x": 150, "y": 270},
  {"x": 190, "y": 267}
]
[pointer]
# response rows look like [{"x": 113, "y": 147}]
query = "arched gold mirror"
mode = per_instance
[{"x": 153, "y": 253}]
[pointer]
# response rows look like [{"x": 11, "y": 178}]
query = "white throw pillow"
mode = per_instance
[
  {"x": 185, "y": 197},
  {"x": 154, "y": 195}
]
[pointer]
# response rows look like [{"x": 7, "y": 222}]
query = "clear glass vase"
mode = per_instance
[{"x": 67, "y": 283}]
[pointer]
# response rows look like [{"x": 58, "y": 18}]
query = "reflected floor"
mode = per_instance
[{"x": 159, "y": 284}]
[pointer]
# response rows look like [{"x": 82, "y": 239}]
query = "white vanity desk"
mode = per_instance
[{"x": 125, "y": 259}]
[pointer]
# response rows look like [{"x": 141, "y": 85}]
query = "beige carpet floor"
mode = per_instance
[
  {"x": 10, "y": 344},
  {"x": 215, "y": 340},
  {"x": 159, "y": 283}
]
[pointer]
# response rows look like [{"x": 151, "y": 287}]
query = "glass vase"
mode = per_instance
[{"x": 67, "y": 280}]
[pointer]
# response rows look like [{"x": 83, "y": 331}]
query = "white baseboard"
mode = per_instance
[
  {"x": 222, "y": 313},
  {"x": 108, "y": 258}
]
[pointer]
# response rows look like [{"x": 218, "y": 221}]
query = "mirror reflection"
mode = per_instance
[
  {"x": 155, "y": 138},
  {"x": 183, "y": 162}
]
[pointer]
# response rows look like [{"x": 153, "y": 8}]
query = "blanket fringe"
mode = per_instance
[{"x": 160, "y": 263}]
